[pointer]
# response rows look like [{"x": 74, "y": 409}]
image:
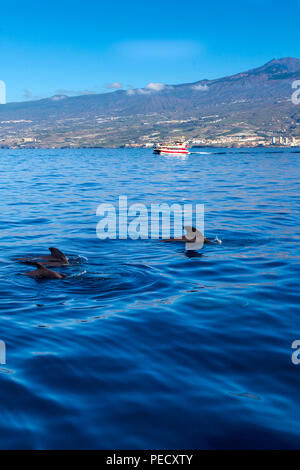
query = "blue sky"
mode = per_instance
[{"x": 95, "y": 46}]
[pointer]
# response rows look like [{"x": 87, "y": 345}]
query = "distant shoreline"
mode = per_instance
[{"x": 273, "y": 147}]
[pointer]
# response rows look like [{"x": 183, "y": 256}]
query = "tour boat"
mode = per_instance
[{"x": 172, "y": 148}]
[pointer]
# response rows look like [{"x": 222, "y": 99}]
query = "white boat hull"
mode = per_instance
[
  {"x": 173, "y": 152},
  {"x": 176, "y": 148}
]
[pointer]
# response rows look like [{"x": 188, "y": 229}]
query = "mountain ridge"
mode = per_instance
[{"x": 258, "y": 100}]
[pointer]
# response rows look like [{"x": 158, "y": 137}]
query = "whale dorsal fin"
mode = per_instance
[
  {"x": 192, "y": 232},
  {"x": 57, "y": 254},
  {"x": 195, "y": 238}
]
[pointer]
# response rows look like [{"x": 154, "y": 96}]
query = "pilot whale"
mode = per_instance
[
  {"x": 193, "y": 237},
  {"x": 43, "y": 273},
  {"x": 57, "y": 258}
]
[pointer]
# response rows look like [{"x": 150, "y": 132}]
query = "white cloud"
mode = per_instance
[
  {"x": 149, "y": 89},
  {"x": 114, "y": 86},
  {"x": 143, "y": 91},
  {"x": 155, "y": 86},
  {"x": 138, "y": 91},
  {"x": 200, "y": 87},
  {"x": 58, "y": 97}
]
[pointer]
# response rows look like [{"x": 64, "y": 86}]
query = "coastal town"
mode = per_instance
[
  {"x": 238, "y": 141},
  {"x": 120, "y": 132},
  {"x": 226, "y": 142}
]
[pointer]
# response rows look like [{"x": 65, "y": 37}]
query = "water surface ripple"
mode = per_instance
[{"x": 142, "y": 346}]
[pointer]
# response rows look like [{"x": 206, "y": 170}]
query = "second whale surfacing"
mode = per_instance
[
  {"x": 57, "y": 258},
  {"x": 194, "y": 239},
  {"x": 43, "y": 273}
]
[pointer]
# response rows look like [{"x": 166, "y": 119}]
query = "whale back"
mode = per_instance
[{"x": 43, "y": 273}]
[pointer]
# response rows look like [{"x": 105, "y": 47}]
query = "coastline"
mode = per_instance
[{"x": 70, "y": 147}]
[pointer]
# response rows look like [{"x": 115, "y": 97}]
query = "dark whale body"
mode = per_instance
[
  {"x": 190, "y": 238},
  {"x": 57, "y": 258},
  {"x": 43, "y": 273}
]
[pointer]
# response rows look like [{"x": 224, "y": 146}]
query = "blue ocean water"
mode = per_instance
[{"x": 143, "y": 346}]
